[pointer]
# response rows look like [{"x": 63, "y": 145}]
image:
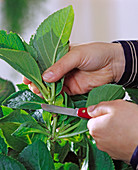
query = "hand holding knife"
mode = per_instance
[{"x": 78, "y": 112}]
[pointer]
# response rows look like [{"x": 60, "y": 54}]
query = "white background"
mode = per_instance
[{"x": 95, "y": 20}]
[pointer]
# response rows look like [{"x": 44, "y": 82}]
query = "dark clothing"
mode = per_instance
[
  {"x": 134, "y": 159},
  {"x": 130, "y": 76}
]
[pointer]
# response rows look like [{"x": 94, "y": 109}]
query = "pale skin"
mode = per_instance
[{"x": 113, "y": 124}]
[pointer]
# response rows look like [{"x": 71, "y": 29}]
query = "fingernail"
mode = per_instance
[
  {"x": 48, "y": 75},
  {"x": 90, "y": 110}
]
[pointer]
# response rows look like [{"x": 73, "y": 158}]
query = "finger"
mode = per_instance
[
  {"x": 34, "y": 88},
  {"x": 62, "y": 66},
  {"x": 99, "y": 109},
  {"x": 91, "y": 126},
  {"x": 26, "y": 81}
]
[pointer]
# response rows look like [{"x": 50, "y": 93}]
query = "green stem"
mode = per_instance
[
  {"x": 44, "y": 92},
  {"x": 69, "y": 129},
  {"x": 53, "y": 91},
  {"x": 54, "y": 126}
]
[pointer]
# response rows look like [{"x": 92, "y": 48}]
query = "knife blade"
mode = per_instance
[{"x": 77, "y": 112}]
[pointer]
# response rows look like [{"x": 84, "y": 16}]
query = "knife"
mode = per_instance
[{"x": 78, "y": 112}]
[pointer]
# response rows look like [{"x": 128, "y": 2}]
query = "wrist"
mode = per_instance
[{"x": 118, "y": 61}]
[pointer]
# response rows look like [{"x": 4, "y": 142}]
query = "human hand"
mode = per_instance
[
  {"x": 114, "y": 127},
  {"x": 85, "y": 67}
]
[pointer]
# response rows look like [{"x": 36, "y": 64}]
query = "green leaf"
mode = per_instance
[
  {"x": 30, "y": 127},
  {"x": 133, "y": 93},
  {"x": 25, "y": 99},
  {"x": 68, "y": 101},
  {"x": 16, "y": 143},
  {"x": 3, "y": 146},
  {"x": 24, "y": 63},
  {"x": 79, "y": 97},
  {"x": 6, "y": 110},
  {"x": 81, "y": 103},
  {"x": 19, "y": 116},
  {"x": 52, "y": 37},
  {"x": 22, "y": 86},
  {"x": 10, "y": 123},
  {"x": 62, "y": 147},
  {"x": 6, "y": 88},
  {"x": 29, "y": 48},
  {"x": 1, "y": 113},
  {"x": 97, "y": 159},
  {"x": 38, "y": 136},
  {"x": 36, "y": 156},
  {"x": 47, "y": 118},
  {"x": 8, "y": 163},
  {"x": 52, "y": 42},
  {"x": 106, "y": 92},
  {"x": 59, "y": 85},
  {"x": 11, "y": 41},
  {"x": 66, "y": 166},
  {"x": 2, "y": 136},
  {"x": 59, "y": 100}
]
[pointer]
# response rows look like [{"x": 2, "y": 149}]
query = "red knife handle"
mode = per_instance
[{"x": 82, "y": 112}]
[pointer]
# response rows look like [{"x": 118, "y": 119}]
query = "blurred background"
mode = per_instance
[{"x": 95, "y": 20}]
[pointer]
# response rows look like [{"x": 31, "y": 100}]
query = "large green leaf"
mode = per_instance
[
  {"x": 11, "y": 41},
  {"x": 10, "y": 123},
  {"x": 25, "y": 99},
  {"x": 6, "y": 88},
  {"x": 24, "y": 63},
  {"x": 51, "y": 39},
  {"x": 3, "y": 146},
  {"x": 16, "y": 143},
  {"x": 106, "y": 92},
  {"x": 8, "y": 163},
  {"x": 97, "y": 159},
  {"x": 37, "y": 157}
]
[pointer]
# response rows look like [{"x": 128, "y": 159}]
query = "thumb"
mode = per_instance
[
  {"x": 68, "y": 62},
  {"x": 99, "y": 109}
]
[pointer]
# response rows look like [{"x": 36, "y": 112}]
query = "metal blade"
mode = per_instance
[{"x": 60, "y": 110}]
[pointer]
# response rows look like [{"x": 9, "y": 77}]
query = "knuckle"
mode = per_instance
[{"x": 102, "y": 103}]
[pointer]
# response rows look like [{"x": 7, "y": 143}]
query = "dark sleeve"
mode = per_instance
[
  {"x": 130, "y": 76},
  {"x": 134, "y": 159}
]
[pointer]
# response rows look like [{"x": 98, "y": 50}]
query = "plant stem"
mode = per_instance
[
  {"x": 52, "y": 101},
  {"x": 53, "y": 135},
  {"x": 54, "y": 126},
  {"x": 53, "y": 92},
  {"x": 44, "y": 92}
]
